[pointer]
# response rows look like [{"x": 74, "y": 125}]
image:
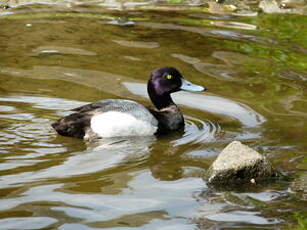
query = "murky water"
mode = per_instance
[{"x": 57, "y": 57}]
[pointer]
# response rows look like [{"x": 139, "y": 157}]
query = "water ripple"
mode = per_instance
[
  {"x": 213, "y": 104},
  {"x": 27, "y": 222},
  {"x": 197, "y": 131}
]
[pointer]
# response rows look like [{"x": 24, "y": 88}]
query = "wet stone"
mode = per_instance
[
  {"x": 272, "y": 6},
  {"x": 292, "y": 3},
  {"x": 238, "y": 164},
  {"x": 300, "y": 185}
]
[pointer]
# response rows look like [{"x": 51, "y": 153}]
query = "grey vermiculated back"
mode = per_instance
[{"x": 135, "y": 109}]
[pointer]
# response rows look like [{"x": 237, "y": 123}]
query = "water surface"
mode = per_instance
[{"x": 57, "y": 57}]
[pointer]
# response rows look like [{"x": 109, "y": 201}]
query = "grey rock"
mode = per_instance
[
  {"x": 300, "y": 185},
  {"x": 238, "y": 164},
  {"x": 270, "y": 6},
  {"x": 273, "y": 7},
  {"x": 293, "y": 3}
]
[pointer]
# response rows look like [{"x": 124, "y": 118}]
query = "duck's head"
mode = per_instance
[{"x": 167, "y": 80}]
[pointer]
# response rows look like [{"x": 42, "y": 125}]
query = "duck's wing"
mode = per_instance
[
  {"x": 118, "y": 105},
  {"x": 102, "y": 105},
  {"x": 78, "y": 123}
]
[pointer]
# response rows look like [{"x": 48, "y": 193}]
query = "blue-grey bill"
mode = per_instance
[{"x": 186, "y": 85}]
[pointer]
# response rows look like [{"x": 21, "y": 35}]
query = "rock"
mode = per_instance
[
  {"x": 216, "y": 8},
  {"x": 300, "y": 185},
  {"x": 293, "y": 3},
  {"x": 272, "y": 7},
  {"x": 238, "y": 164}
]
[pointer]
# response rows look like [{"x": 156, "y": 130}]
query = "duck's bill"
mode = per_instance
[{"x": 188, "y": 86}]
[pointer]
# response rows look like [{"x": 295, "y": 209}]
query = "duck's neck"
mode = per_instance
[{"x": 160, "y": 101}]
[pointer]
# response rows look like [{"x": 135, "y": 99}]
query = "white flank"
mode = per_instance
[{"x": 115, "y": 124}]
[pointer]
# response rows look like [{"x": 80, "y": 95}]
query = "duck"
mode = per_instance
[{"x": 121, "y": 117}]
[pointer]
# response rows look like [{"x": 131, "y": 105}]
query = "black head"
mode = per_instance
[{"x": 167, "y": 80}]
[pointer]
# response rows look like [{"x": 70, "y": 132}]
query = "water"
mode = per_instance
[{"x": 57, "y": 57}]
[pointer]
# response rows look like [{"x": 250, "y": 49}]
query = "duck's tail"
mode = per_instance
[{"x": 72, "y": 125}]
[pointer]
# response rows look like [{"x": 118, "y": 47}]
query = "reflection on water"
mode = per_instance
[
  {"x": 61, "y": 50},
  {"x": 70, "y": 53},
  {"x": 136, "y": 44},
  {"x": 197, "y": 131},
  {"x": 235, "y": 25},
  {"x": 211, "y": 104},
  {"x": 27, "y": 223}
]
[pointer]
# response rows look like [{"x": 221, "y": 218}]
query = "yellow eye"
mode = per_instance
[{"x": 169, "y": 77}]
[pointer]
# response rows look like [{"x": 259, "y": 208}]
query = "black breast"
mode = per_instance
[{"x": 169, "y": 118}]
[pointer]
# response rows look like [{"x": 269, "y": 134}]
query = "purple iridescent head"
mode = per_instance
[{"x": 167, "y": 80}]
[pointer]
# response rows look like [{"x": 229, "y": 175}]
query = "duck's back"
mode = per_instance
[{"x": 108, "y": 118}]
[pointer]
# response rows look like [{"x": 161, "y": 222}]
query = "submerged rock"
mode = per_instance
[
  {"x": 300, "y": 185},
  {"x": 293, "y": 3},
  {"x": 238, "y": 164},
  {"x": 272, "y": 6},
  {"x": 216, "y": 8}
]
